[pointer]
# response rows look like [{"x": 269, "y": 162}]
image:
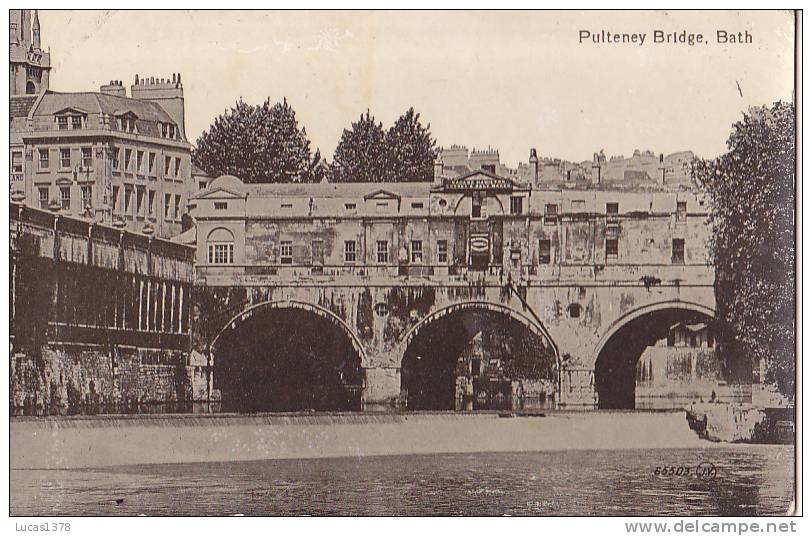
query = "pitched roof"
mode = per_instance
[
  {"x": 20, "y": 106},
  {"x": 149, "y": 113}
]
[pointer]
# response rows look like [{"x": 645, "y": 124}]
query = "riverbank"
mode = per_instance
[{"x": 84, "y": 442}]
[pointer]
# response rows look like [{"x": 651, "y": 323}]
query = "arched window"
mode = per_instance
[
  {"x": 220, "y": 246},
  {"x": 30, "y": 88}
]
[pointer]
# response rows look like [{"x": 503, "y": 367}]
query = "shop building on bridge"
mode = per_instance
[{"x": 579, "y": 259}]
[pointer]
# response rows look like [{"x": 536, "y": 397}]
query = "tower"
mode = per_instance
[{"x": 30, "y": 65}]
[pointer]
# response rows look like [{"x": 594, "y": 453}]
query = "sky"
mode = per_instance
[{"x": 505, "y": 80}]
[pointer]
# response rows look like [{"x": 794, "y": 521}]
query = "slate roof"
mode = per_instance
[
  {"x": 149, "y": 113},
  {"x": 20, "y": 106}
]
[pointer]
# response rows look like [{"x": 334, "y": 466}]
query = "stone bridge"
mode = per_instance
[
  {"x": 595, "y": 274},
  {"x": 593, "y": 326}
]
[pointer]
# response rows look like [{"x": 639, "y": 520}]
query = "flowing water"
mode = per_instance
[{"x": 748, "y": 480}]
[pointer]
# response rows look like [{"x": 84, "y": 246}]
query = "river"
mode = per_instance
[{"x": 749, "y": 480}]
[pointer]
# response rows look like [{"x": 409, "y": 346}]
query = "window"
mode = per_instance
[
  {"x": 64, "y": 197},
  {"x": 221, "y": 253},
  {"x": 177, "y": 213},
  {"x": 139, "y": 162},
  {"x": 349, "y": 251},
  {"x": 417, "y": 251},
  {"x": 17, "y": 162},
  {"x": 349, "y": 206},
  {"x": 383, "y": 251},
  {"x": 167, "y": 166},
  {"x": 678, "y": 251},
  {"x": 516, "y": 206},
  {"x": 172, "y": 131},
  {"x": 87, "y": 197},
  {"x": 220, "y": 205},
  {"x": 151, "y": 163},
  {"x": 287, "y": 206},
  {"x": 612, "y": 209},
  {"x": 128, "y": 195},
  {"x": 76, "y": 122},
  {"x": 286, "y": 252},
  {"x": 64, "y": 158},
  {"x": 87, "y": 157},
  {"x": 44, "y": 197},
  {"x": 43, "y": 159},
  {"x": 574, "y": 310},
  {"x": 442, "y": 251},
  {"x": 476, "y": 207},
  {"x": 164, "y": 129},
  {"x": 167, "y": 206},
  {"x": 545, "y": 251},
  {"x": 550, "y": 213},
  {"x": 115, "y": 198},
  {"x": 116, "y": 157},
  {"x": 151, "y": 203},
  {"x": 611, "y": 249},
  {"x": 203, "y": 185},
  {"x": 417, "y": 204},
  {"x": 139, "y": 201},
  {"x": 177, "y": 166},
  {"x": 62, "y": 122},
  {"x": 682, "y": 211}
]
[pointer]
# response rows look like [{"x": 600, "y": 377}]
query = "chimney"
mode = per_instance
[
  {"x": 165, "y": 92},
  {"x": 534, "y": 165},
  {"x": 438, "y": 171},
  {"x": 596, "y": 165},
  {"x": 115, "y": 88}
]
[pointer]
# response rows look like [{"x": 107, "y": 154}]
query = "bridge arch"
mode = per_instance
[
  {"x": 476, "y": 355},
  {"x": 328, "y": 315},
  {"x": 621, "y": 346},
  {"x": 528, "y": 322},
  {"x": 288, "y": 355}
]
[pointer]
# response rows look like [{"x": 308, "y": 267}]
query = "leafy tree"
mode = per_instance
[
  {"x": 752, "y": 189},
  {"x": 410, "y": 149},
  {"x": 403, "y": 153},
  {"x": 361, "y": 154},
  {"x": 257, "y": 143}
]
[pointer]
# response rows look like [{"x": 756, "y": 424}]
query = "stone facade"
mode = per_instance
[
  {"x": 575, "y": 264},
  {"x": 100, "y": 317},
  {"x": 101, "y": 156}
]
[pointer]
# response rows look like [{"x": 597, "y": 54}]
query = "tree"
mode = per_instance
[
  {"x": 257, "y": 144},
  {"x": 366, "y": 153},
  {"x": 410, "y": 149},
  {"x": 361, "y": 154},
  {"x": 752, "y": 189}
]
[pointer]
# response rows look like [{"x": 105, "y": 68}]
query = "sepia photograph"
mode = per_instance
[{"x": 404, "y": 263}]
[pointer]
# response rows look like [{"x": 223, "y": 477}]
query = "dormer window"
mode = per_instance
[
  {"x": 62, "y": 122},
  {"x": 126, "y": 123},
  {"x": 76, "y": 122}
]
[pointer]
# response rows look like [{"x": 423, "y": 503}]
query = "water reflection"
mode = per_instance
[{"x": 752, "y": 480}]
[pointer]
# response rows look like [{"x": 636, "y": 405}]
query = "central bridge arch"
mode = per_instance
[
  {"x": 288, "y": 355},
  {"x": 477, "y": 355}
]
